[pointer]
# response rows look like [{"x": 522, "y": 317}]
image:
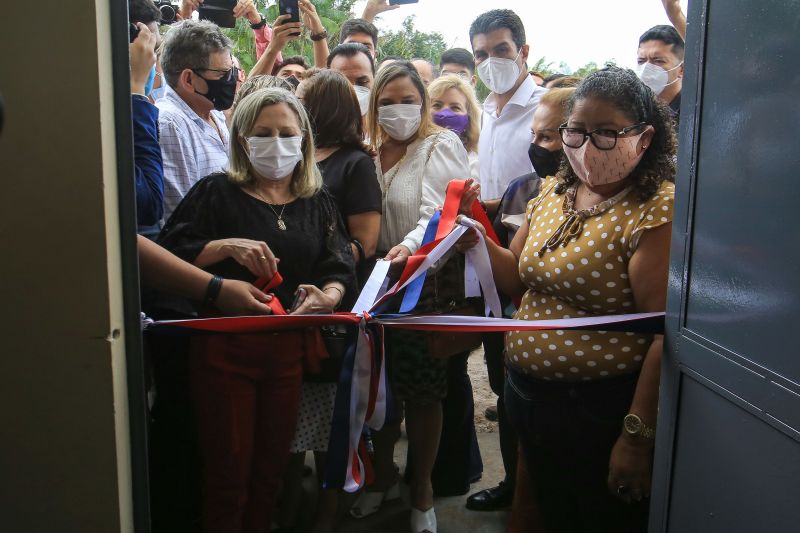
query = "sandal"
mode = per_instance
[
  {"x": 423, "y": 521},
  {"x": 369, "y": 502}
]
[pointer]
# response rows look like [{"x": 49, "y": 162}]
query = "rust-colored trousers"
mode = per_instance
[{"x": 246, "y": 393}]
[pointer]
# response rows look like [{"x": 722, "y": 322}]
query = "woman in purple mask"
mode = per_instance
[
  {"x": 458, "y": 463},
  {"x": 454, "y": 106}
]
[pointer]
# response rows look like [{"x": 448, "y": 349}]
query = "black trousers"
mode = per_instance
[
  {"x": 567, "y": 431},
  {"x": 495, "y": 366},
  {"x": 175, "y": 467},
  {"x": 459, "y": 459}
]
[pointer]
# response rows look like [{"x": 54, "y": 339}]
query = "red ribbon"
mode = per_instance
[
  {"x": 450, "y": 209},
  {"x": 452, "y": 203},
  {"x": 264, "y": 285}
]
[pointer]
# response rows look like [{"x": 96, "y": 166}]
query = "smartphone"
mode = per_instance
[
  {"x": 290, "y": 7},
  {"x": 134, "y": 31},
  {"x": 299, "y": 297},
  {"x": 401, "y": 2},
  {"x": 220, "y": 12}
]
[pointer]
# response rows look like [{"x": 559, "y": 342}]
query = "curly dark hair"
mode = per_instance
[{"x": 624, "y": 90}]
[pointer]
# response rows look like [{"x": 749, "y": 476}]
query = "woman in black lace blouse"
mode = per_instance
[{"x": 268, "y": 213}]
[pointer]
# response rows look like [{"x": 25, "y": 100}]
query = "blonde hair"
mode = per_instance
[
  {"x": 386, "y": 75},
  {"x": 440, "y": 86},
  {"x": 254, "y": 83},
  {"x": 306, "y": 179},
  {"x": 558, "y": 99}
]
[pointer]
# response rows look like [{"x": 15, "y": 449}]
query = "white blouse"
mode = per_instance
[
  {"x": 415, "y": 187},
  {"x": 474, "y": 166}
]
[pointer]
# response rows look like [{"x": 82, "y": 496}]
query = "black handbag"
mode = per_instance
[{"x": 335, "y": 339}]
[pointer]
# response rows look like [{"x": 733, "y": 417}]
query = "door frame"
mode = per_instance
[
  {"x": 136, "y": 367},
  {"x": 680, "y": 251}
]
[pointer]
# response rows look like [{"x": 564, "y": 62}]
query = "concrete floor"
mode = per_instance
[{"x": 451, "y": 514}]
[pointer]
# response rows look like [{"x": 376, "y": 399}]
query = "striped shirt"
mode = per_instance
[{"x": 190, "y": 147}]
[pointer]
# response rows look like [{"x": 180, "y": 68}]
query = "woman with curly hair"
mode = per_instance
[{"x": 596, "y": 243}]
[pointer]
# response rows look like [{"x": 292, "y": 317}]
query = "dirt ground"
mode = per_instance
[{"x": 482, "y": 393}]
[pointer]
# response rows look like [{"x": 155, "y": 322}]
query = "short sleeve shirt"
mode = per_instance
[
  {"x": 588, "y": 276},
  {"x": 349, "y": 174}
]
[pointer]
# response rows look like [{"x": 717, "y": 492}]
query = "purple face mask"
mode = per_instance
[{"x": 452, "y": 121}]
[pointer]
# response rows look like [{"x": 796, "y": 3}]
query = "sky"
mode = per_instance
[{"x": 573, "y": 31}]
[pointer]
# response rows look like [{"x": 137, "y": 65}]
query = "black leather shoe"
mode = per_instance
[{"x": 491, "y": 499}]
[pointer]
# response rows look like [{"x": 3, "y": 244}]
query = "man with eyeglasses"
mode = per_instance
[{"x": 201, "y": 83}]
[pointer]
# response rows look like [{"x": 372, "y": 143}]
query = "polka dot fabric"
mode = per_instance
[
  {"x": 588, "y": 276},
  {"x": 314, "y": 419}
]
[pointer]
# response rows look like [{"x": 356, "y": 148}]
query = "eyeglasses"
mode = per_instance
[
  {"x": 227, "y": 75},
  {"x": 603, "y": 139}
]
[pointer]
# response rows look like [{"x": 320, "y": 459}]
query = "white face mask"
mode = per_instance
[
  {"x": 400, "y": 121},
  {"x": 499, "y": 74},
  {"x": 655, "y": 77},
  {"x": 275, "y": 157},
  {"x": 158, "y": 93},
  {"x": 362, "y": 93}
]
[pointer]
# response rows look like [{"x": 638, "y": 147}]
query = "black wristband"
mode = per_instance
[
  {"x": 360, "y": 248},
  {"x": 319, "y": 36},
  {"x": 259, "y": 25},
  {"x": 212, "y": 291}
]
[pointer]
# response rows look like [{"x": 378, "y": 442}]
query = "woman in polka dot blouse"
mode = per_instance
[{"x": 596, "y": 243}]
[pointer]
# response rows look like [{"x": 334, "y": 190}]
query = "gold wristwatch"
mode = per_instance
[{"x": 634, "y": 426}]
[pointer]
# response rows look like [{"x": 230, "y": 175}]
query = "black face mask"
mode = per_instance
[
  {"x": 544, "y": 162},
  {"x": 221, "y": 91}
]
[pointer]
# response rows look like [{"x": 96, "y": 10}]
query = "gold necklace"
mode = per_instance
[{"x": 281, "y": 223}]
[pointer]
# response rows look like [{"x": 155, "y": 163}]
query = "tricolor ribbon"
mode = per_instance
[
  {"x": 414, "y": 289},
  {"x": 441, "y": 234},
  {"x": 363, "y": 396}
]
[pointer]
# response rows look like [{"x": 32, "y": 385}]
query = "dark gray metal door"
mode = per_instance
[{"x": 728, "y": 449}]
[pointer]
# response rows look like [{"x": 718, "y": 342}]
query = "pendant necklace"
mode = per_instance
[{"x": 281, "y": 223}]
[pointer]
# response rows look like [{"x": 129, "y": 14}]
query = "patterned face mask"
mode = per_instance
[{"x": 599, "y": 167}]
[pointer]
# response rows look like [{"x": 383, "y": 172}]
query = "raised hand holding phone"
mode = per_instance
[
  {"x": 290, "y": 7},
  {"x": 220, "y": 12},
  {"x": 284, "y": 31},
  {"x": 143, "y": 56}
]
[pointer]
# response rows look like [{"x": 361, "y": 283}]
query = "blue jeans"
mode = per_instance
[{"x": 567, "y": 431}]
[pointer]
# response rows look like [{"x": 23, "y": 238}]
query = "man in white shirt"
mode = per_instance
[
  {"x": 201, "y": 83},
  {"x": 498, "y": 43}
]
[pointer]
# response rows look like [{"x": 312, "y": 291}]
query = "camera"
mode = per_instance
[{"x": 169, "y": 11}]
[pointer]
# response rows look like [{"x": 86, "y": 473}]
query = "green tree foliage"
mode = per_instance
[
  {"x": 543, "y": 67},
  {"x": 410, "y": 43},
  {"x": 585, "y": 70},
  {"x": 332, "y": 13}
]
